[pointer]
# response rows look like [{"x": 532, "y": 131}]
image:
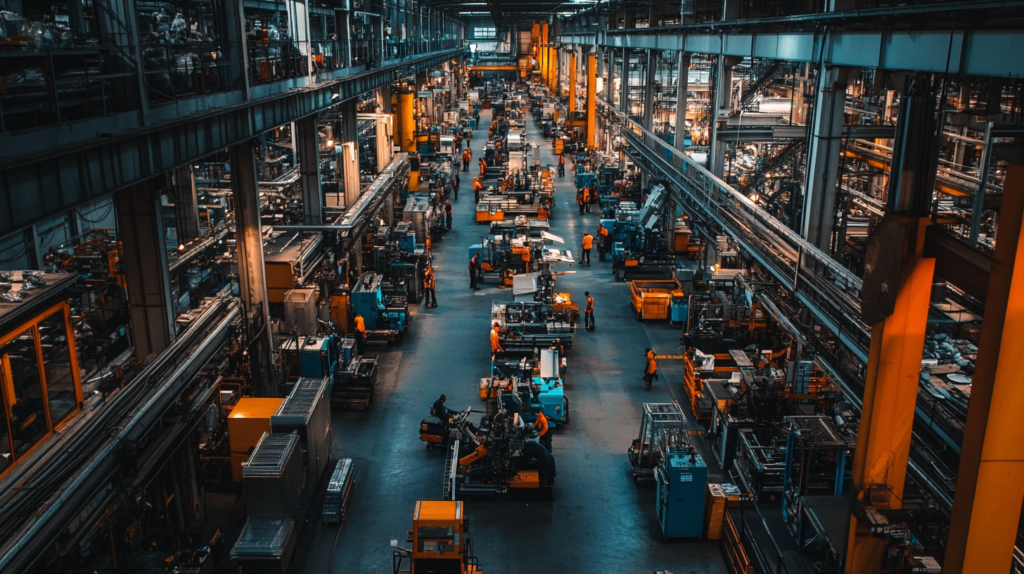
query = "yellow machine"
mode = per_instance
[
  {"x": 559, "y": 146},
  {"x": 440, "y": 541},
  {"x": 249, "y": 419},
  {"x": 290, "y": 259},
  {"x": 651, "y": 299}
]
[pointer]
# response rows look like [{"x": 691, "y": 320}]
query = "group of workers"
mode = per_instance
[{"x": 585, "y": 197}]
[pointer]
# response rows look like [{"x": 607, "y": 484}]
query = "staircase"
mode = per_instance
[
  {"x": 769, "y": 164},
  {"x": 761, "y": 75}
]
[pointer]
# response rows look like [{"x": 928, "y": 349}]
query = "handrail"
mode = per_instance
[{"x": 830, "y": 291}]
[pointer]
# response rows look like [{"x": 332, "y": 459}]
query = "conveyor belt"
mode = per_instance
[{"x": 73, "y": 485}]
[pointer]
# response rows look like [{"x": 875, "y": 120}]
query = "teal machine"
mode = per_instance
[
  {"x": 545, "y": 391},
  {"x": 682, "y": 478},
  {"x": 386, "y": 318}
]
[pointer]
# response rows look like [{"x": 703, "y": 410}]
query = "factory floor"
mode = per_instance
[{"x": 599, "y": 520}]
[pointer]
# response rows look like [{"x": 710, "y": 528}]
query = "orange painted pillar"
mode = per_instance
[
  {"x": 990, "y": 482},
  {"x": 890, "y": 396},
  {"x": 572, "y": 80},
  {"x": 592, "y": 100}
]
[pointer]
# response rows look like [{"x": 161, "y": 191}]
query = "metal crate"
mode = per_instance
[
  {"x": 265, "y": 546},
  {"x": 307, "y": 411},
  {"x": 339, "y": 492},
  {"x": 274, "y": 478}
]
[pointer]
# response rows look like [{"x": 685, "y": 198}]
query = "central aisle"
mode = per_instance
[{"x": 599, "y": 521}]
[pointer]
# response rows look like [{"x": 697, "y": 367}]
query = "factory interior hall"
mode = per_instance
[{"x": 438, "y": 286}]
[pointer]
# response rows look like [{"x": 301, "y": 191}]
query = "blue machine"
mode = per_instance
[
  {"x": 551, "y": 400},
  {"x": 679, "y": 310},
  {"x": 682, "y": 478},
  {"x": 585, "y": 179},
  {"x": 314, "y": 357},
  {"x": 368, "y": 301}
]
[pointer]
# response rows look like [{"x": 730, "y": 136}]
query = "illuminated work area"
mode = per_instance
[{"x": 710, "y": 286}]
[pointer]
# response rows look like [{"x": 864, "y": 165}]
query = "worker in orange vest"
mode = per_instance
[
  {"x": 588, "y": 314},
  {"x": 477, "y": 188},
  {"x": 543, "y": 430},
  {"x": 579, "y": 199},
  {"x": 429, "y": 283},
  {"x": 602, "y": 241},
  {"x": 650, "y": 367},
  {"x": 588, "y": 243},
  {"x": 360, "y": 332},
  {"x": 483, "y": 168},
  {"x": 561, "y": 166},
  {"x": 586, "y": 199},
  {"x": 466, "y": 156},
  {"x": 495, "y": 340}
]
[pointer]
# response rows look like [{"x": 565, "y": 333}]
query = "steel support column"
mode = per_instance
[
  {"x": 823, "y": 157},
  {"x": 252, "y": 283},
  {"x": 307, "y": 142},
  {"x": 722, "y": 98},
  {"x": 989, "y": 487},
  {"x": 144, "y": 257},
  {"x": 624, "y": 83},
  {"x": 648, "y": 122},
  {"x": 978, "y": 203},
  {"x": 682, "y": 88},
  {"x": 592, "y": 101},
  {"x": 186, "y": 210},
  {"x": 890, "y": 396}
]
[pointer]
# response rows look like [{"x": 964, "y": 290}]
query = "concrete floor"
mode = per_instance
[{"x": 599, "y": 520}]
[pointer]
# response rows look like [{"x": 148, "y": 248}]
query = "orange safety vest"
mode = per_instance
[
  {"x": 495, "y": 345},
  {"x": 428, "y": 280},
  {"x": 588, "y": 241},
  {"x": 652, "y": 364},
  {"x": 542, "y": 424},
  {"x": 590, "y": 304},
  {"x": 360, "y": 324},
  {"x": 586, "y": 194}
]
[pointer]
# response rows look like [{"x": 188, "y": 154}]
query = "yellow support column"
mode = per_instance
[
  {"x": 553, "y": 70},
  {"x": 534, "y": 40},
  {"x": 592, "y": 101},
  {"x": 544, "y": 63},
  {"x": 890, "y": 396},
  {"x": 990, "y": 482},
  {"x": 407, "y": 122},
  {"x": 572, "y": 81}
]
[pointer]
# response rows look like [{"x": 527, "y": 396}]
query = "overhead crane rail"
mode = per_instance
[{"x": 830, "y": 291}]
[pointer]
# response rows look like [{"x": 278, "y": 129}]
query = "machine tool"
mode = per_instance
[
  {"x": 662, "y": 424},
  {"x": 399, "y": 261},
  {"x": 386, "y": 317},
  {"x": 440, "y": 541},
  {"x": 526, "y": 325},
  {"x": 538, "y": 381},
  {"x": 497, "y": 456}
]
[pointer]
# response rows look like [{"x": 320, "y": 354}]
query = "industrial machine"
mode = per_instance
[
  {"x": 399, "y": 261},
  {"x": 386, "y": 317},
  {"x": 682, "y": 478},
  {"x": 538, "y": 381},
  {"x": 652, "y": 300},
  {"x": 440, "y": 541},
  {"x": 526, "y": 325},
  {"x": 662, "y": 424},
  {"x": 495, "y": 457}
]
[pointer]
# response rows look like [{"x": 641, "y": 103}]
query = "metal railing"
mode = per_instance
[{"x": 830, "y": 291}]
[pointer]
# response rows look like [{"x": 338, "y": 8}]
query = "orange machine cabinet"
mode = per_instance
[{"x": 249, "y": 419}]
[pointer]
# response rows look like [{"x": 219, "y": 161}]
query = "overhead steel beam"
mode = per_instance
[
  {"x": 787, "y": 133},
  {"x": 50, "y": 184},
  {"x": 965, "y": 52}
]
